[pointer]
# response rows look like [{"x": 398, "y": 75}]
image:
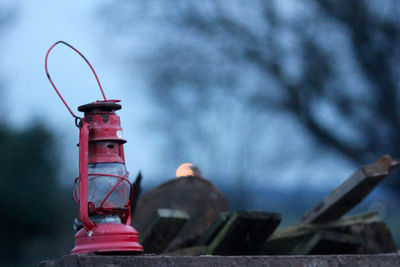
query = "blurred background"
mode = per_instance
[{"x": 277, "y": 102}]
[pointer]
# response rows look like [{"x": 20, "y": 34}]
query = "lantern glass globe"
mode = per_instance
[{"x": 100, "y": 186}]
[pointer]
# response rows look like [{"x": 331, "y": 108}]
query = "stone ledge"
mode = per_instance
[{"x": 392, "y": 259}]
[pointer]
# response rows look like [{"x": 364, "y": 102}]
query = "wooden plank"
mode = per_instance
[
  {"x": 301, "y": 229},
  {"x": 327, "y": 242},
  {"x": 368, "y": 228},
  {"x": 199, "y": 198},
  {"x": 213, "y": 230},
  {"x": 166, "y": 224},
  {"x": 375, "y": 238},
  {"x": 284, "y": 244},
  {"x": 351, "y": 192},
  {"x": 244, "y": 233}
]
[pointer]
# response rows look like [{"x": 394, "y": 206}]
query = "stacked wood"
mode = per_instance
[
  {"x": 199, "y": 198},
  {"x": 351, "y": 192},
  {"x": 324, "y": 243},
  {"x": 322, "y": 230},
  {"x": 207, "y": 227},
  {"x": 165, "y": 226},
  {"x": 214, "y": 229},
  {"x": 244, "y": 233},
  {"x": 234, "y": 233},
  {"x": 357, "y": 234}
]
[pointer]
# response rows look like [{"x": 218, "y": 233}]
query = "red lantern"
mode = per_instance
[{"x": 103, "y": 190}]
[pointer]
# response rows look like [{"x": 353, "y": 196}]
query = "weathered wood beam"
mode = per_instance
[
  {"x": 300, "y": 229},
  {"x": 327, "y": 242},
  {"x": 213, "y": 230},
  {"x": 351, "y": 192},
  {"x": 198, "y": 197},
  {"x": 163, "y": 228},
  {"x": 244, "y": 233},
  {"x": 372, "y": 232}
]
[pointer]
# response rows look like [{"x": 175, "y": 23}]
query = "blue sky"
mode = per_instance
[{"x": 29, "y": 96}]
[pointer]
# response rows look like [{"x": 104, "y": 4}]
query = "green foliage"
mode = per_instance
[{"x": 34, "y": 215}]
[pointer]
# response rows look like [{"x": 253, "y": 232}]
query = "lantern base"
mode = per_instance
[{"x": 108, "y": 237}]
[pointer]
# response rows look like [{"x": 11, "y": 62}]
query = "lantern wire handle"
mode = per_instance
[{"x": 55, "y": 88}]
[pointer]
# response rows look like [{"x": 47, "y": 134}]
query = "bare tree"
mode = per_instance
[{"x": 331, "y": 65}]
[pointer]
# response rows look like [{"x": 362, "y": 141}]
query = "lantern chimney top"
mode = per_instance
[{"x": 105, "y": 105}]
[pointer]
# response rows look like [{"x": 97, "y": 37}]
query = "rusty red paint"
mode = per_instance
[{"x": 100, "y": 144}]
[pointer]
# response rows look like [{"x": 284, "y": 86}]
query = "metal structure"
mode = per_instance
[{"x": 102, "y": 189}]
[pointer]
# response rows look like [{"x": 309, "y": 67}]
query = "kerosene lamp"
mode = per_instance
[{"x": 102, "y": 189}]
